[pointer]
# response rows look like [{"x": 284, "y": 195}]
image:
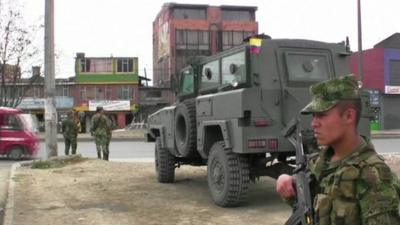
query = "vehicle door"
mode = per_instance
[
  {"x": 301, "y": 68},
  {"x": 11, "y": 131}
]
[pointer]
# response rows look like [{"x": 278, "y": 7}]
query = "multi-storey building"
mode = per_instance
[
  {"x": 181, "y": 31},
  {"x": 381, "y": 74},
  {"x": 110, "y": 82}
]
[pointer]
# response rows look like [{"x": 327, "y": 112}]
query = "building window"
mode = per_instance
[
  {"x": 192, "y": 39},
  {"x": 85, "y": 65},
  {"x": 63, "y": 91},
  {"x": 234, "y": 38},
  {"x": 83, "y": 93},
  {"x": 194, "y": 14},
  {"x": 153, "y": 94},
  {"x": 236, "y": 15},
  {"x": 125, "y": 93},
  {"x": 125, "y": 65},
  {"x": 101, "y": 66},
  {"x": 36, "y": 92},
  {"x": 99, "y": 93},
  {"x": 108, "y": 92},
  {"x": 394, "y": 72}
]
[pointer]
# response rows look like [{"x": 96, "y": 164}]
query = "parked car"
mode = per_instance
[{"x": 18, "y": 138}]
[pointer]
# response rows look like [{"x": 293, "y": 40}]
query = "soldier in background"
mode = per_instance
[
  {"x": 77, "y": 120},
  {"x": 101, "y": 130},
  {"x": 70, "y": 129},
  {"x": 354, "y": 184}
]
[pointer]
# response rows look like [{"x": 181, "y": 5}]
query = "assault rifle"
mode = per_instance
[{"x": 303, "y": 212}]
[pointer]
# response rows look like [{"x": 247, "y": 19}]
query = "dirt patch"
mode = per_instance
[{"x": 104, "y": 193}]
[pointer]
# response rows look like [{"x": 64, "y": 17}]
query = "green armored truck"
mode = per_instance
[{"x": 232, "y": 107}]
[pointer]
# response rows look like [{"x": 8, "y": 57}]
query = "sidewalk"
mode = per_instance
[
  {"x": 385, "y": 133},
  {"x": 132, "y": 135}
]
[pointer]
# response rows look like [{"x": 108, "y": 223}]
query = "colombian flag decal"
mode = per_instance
[{"x": 255, "y": 45}]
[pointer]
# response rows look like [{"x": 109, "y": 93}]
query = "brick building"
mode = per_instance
[
  {"x": 381, "y": 74},
  {"x": 110, "y": 82},
  {"x": 181, "y": 31}
]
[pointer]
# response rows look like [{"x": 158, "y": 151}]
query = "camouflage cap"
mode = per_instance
[{"x": 328, "y": 93}]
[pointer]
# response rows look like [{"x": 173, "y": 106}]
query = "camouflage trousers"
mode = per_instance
[
  {"x": 102, "y": 145},
  {"x": 70, "y": 142}
]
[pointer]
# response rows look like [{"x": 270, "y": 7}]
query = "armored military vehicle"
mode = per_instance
[{"x": 232, "y": 107}]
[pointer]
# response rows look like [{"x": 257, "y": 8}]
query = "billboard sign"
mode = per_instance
[{"x": 123, "y": 105}]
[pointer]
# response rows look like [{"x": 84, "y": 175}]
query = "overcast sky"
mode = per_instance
[{"x": 123, "y": 28}]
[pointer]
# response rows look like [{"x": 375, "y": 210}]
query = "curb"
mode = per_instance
[
  {"x": 9, "y": 209},
  {"x": 113, "y": 139}
]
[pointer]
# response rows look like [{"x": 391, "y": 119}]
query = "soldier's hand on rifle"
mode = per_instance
[{"x": 285, "y": 186}]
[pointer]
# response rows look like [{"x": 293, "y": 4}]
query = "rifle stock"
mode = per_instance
[{"x": 303, "y": 212}]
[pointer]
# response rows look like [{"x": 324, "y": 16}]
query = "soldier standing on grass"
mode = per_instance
[
  {"x": 101, "y": 130},
  {"x": 354, "y": 185},
  {"x": 70, "y": 129}
]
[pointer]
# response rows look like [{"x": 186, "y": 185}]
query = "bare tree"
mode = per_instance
[{"x": 17, "y": 53}]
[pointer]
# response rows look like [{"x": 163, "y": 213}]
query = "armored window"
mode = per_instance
[
  {"x": 307, "y": 66},
  {"x": 234, "y": 69},
  {"x": 187, "y": 82},
  {"x": 210, "y": 75}
]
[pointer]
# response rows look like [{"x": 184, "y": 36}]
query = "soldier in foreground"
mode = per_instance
[
  {"x": 354, "y": 184},
  {"x": 70, "y": 130},
  {"x": 101, "y": 130}
]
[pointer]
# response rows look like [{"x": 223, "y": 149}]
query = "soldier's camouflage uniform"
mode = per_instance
[
  {"x": 70, "y": 130},
  {"x": 101, "y": 130},
  {"x": 359, "y": 189}
]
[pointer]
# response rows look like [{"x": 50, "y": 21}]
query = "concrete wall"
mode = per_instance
[{"x": 390, "y": 116}]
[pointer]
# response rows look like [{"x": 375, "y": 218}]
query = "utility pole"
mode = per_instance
[
  {"x": 360, "y": 53},
  {"x": 50, "y": 113}
]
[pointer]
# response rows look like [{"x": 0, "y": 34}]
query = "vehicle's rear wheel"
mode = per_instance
[
  {"x": 165, "y": 164},
  {"x": 228, "y": 176},
  {"x": 16, "y": 153},
  {"x": 185, "y": 129}
]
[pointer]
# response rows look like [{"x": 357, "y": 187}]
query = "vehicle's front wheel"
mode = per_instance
[
  {"x": 165, "y": 164},
  {"x": 16, "y": 153},
  {"x": 228, "y": 176}
]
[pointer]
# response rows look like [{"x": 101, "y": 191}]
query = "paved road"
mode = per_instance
[
  {"x": 119, "y": 150},
  {"x": 143, "y": 151}
]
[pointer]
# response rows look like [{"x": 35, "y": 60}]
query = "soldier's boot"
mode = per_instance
[
  {"x": 105, "y": 156},
  {"x": 98, "y": 155}
]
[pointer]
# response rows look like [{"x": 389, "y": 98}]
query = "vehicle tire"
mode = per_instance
[
  {"x": 165, "y": 164},
  {"x": 15, "y": 153},
  {"x": 228, "y": 176},
  {"x": 185, "y": 129}
]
